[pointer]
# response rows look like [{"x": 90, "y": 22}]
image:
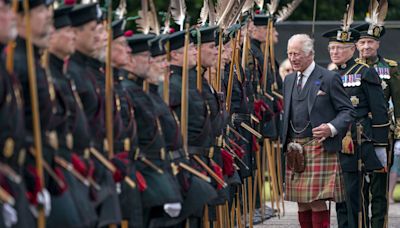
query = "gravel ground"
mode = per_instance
[{"x": 290, "y": 218}]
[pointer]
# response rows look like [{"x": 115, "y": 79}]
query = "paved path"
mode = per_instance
[{"x": 290, "y": 219}]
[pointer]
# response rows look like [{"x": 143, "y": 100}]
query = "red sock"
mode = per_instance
[
  {"x": 320, "y": 219},
  {"x": 305, "y": 219}
]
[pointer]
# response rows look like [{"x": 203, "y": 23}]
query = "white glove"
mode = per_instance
[
  {"x": 44, "y": 200},
  {"x": 9, "y": 215},
  {"x": 397, "y": 147},
  {"x": 381, "y": 154},
  {"x": 173, "y": 209}
]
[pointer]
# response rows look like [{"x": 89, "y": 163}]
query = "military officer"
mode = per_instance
[
  {"x": 74, "y": 136},
  {"x": 71, "y": 124},
  {"x": 125, "y": 137},
  {"x": 41, "y": 27},
  {"x": 363, "y": 87},
  {"x": 269, "y": 125},
  {"x": 368, "y": 46},
  {"x": 12, "y": 134},
  {"x": 85, "y": 67},
  {"x": 152, "y": 147},
  {"x": 200, "y": 137},
  {"x": 205, "y": 37}
]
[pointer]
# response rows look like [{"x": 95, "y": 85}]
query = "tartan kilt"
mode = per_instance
[{"x": 321, "y": 180}]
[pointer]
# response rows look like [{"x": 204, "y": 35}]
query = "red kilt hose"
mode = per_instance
[{"x": 321, "y": 179}]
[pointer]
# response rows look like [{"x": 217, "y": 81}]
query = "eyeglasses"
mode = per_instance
[{"x": 339, "y": 48}]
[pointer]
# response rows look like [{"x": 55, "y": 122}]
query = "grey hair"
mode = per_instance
[{"x": 308, "y": 43}]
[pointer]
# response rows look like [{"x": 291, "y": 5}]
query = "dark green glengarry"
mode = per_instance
[
  {"x": 85, "y": 13},
  {"x": 204, "y": 34},
  {"x": 61, "y": 17},
  {"x": 140, "y": 42}
]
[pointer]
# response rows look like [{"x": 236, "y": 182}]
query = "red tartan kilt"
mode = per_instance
[{"x": 321, "y": 180}]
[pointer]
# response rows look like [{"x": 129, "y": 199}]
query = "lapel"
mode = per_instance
[
  {"x": 288, "y": 91},
  {"x": 314, "y": 83}
]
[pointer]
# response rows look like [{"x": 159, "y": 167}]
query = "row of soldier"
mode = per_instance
[
  {"x": 151, "y": 180},
  {"x": 159, "y": 176}
]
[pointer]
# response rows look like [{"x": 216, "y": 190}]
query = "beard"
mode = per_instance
[
  {"x": 100, "y": 55},
  {"x": 13, "y": 32}
]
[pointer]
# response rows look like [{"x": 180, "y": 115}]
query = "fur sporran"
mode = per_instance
[{"x": 295, "y": 157}]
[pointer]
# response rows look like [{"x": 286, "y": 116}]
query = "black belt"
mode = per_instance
[
  {"x": 155, "y": 154},
  {"x": 176, "y": 154},
  {"x": 196, "y": 150}
]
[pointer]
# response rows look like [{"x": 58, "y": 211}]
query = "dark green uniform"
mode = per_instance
[
  {"x": 12, "y": 140},
  {"x": 269, "y": 122},
  {"x": 363, "y": 86},
  {"x": 76, "y": 199},
  {"x": 127, "y": 142},
  {"x": 152, "y": 147},
  {"x": 390, "y": 82},
  {"x": 200, "y": 138},
  {"x": 50, "y": 108},
  {"x": 241, "y": 110},
  {"x": 83, "y": 71}
]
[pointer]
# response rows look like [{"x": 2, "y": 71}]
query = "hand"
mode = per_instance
[
  {"x": 173, "y": 209},
  {"x": 43, "y": 198},
  {"x": 381, "y": 154},
  {"x": 9, "y": 215},
  {"x": 322, "y": 132},
  {"x": 397, "y": 147}
]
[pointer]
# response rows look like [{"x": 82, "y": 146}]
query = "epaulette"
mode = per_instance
[{"x": 391, "y": 63}]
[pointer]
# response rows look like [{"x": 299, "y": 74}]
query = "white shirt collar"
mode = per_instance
[{"x": 308, "y": 71}]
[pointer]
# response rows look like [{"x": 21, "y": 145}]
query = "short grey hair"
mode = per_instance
[{"x": 308, "y": 43}]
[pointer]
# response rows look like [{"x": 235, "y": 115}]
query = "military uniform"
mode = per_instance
[
  {"x": 84, "y": 70},
  {"x": 72, "y": 124},
  {"x": 12, "y": 142},
  {"x": 387, "y": 71},
  {"x": 151, "y": 142},
  {"x": 363, "y": 87}
]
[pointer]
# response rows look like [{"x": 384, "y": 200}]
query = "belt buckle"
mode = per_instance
[
  {"x": 162, "y": 153},
  {"x": 211, "y": 152}
]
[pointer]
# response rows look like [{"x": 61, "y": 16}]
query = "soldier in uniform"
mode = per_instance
[
  {"x": 200, "y": 137},
  {"x": 41, "y": 26},
  {"x": 388, "y": 71},
  {"x": 156, "y": 200},
  {"x": 72, "y": 122},
  {"x": 363, "y": 87},
  {"x": 269, "y": 126},
  {"x": 205, "y": 37},
  {"x": 125, "y": 140},
  {"x": 12, "y": 129},
  {"x": 85, "y": 67}
]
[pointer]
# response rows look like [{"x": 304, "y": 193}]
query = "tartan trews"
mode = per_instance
[{"x": 321, "y": 180}]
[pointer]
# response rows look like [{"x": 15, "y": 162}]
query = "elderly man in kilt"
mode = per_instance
[{"x": 317, "y": 114}]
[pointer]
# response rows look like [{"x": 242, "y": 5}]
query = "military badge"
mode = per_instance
[{"x": 354, "y": 101}]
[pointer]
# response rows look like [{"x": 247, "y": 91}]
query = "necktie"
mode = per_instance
[{"x": 300, "y": 82}]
